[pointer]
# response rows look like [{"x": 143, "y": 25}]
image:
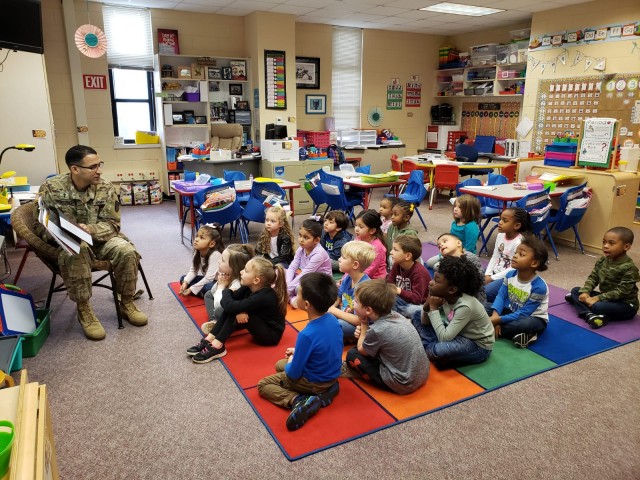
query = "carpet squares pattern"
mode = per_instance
[{"x": 567, "y": 339}]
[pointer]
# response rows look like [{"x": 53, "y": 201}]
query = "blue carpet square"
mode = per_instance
[{"x": 564, "y": 342}]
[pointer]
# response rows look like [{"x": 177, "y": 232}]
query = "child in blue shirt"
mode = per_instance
[
  {"x": 307, "y": 379},
  {"x": 335, "y": 235},
  {"x": 356, "y": 257},
  {"x": 519, "y": 312}
]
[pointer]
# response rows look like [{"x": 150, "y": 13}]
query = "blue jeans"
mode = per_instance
[
  {"x": 612, "y": 310},
  {"x": 405, "y": 308},
  {"x": 492, "y": 289},
  {"x": 457, "y": 352},
  {"x": 205, "y": 288},
  {"x": 348, "y": 330},
  {"x": 520, "y": 325}
]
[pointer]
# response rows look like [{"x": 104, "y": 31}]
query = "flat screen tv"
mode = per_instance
[{"x": 21, "y": 25}]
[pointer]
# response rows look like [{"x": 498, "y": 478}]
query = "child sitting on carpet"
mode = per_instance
[
  {"x": 335, "y": 235},
  {"x": 451, "y": 246},
  {"x": 307, "y": 378},
  {"x": 310, "y": 257},
  {"x": 513, "y": 223},
  {"x": 454, "y": 327},
  {"x": 276, "y": 241},
  {"x": 466, "y": 215},
  {"x": 207, "y": 250},
  {"x": 232, "y": 262},
  {"x": 389, "y": 353},
  {"x": 408, "y": 275},
  {"x": 519, "y": 312},
  {"x": 256, "y": 306},
  {"x": 400, "y": 216},
  {"x": 385, "y": 209},
  {"x": 368, "y": 230},
  {"x": 617, "y": 275},
  {"x": 355, "y": 259}
]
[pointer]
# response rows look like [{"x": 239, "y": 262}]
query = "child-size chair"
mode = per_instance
[
  {"x": 333, "y": 187},
  {"x": 446, "y": 176},
  {"x": 315, "y": 191},
  {"x": 573, "y": 206},
  {"x": 232, "y": 176},
  {"x": 255, "y": 209},
  {"x": 230, "y": 214},
  {"x": 415, "y": 192}
]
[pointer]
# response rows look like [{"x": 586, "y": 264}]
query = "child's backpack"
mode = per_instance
[{"x": 337, "y": 154}]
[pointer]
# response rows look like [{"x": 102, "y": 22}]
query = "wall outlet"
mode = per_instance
[{"x": 278, "y": 120}]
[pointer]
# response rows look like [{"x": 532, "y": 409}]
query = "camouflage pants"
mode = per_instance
[{"x": 76, "y": 269}]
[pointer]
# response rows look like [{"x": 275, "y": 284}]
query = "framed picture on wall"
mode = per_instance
[
  {"x": 307, "y": 72},
  {"x": 226, "y": 73},
  {"x": 238, "y": 69},
  {"x": 184, "y": 72},
  {"x": 197, "y": 71},
  {"x": 235, "y": 89},
  {"x": 214, "y": 73},
  {"x": 315, "y": 104},
  {"x": 201, "y": 119}
]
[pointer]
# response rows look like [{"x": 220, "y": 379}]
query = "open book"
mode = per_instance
[{"x": 67, "y": 233}]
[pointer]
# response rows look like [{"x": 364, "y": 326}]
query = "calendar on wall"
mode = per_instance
[{"x": 562, "y": 105}]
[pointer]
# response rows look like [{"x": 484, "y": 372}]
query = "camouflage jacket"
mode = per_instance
[
  {"x": 616, "y": 280},
  {"x": 97, "y": 207}
]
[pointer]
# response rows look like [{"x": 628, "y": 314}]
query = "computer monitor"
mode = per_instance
[{"x": 274, "y": 132}]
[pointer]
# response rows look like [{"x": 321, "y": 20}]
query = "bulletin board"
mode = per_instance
[
  {"x": 562, "y": 105},
  {"x": 497, "y": 119}
]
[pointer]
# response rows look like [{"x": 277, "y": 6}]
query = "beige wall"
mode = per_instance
[
  {"x": 618, "y": 54},
  {"x": 386, "y": 55}
]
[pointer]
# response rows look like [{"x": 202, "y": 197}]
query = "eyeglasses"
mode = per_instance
[{"x": 92, "y": 167}]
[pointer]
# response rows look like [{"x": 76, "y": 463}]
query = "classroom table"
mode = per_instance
[
  {"x": 189, "y": 189},
  {"x": 507, "y": 193},
  {"x": 430, "y": 167},
  {"x": 367, "y": 187}
]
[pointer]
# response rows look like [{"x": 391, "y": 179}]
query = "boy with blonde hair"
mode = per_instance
[
  {"x": 409, "y": 276},
  {"x": 355, "y": 259},
  {"x": 389, "y": 352}
]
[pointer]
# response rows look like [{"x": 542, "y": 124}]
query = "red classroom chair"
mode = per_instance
[{"x": 446, "y": 176}]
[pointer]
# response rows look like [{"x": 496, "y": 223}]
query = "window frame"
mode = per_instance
[{"x": 150, "y": 101}]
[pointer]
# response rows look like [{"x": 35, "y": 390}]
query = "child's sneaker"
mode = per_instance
[
  {"x": 209, "y": 353},
  {"x": 207, "y": 327},
  {"x": 198, "y": 347},
  {"x": 347, "y": 372},
  {"x": 329, "y": 394},
  {"x": 303, "y": 410},
  {"x": 596, "y": 321},
  {"x": 523, "y": 340},
  {"x": 568, "y": 298}
]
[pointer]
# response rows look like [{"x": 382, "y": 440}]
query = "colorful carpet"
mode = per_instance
[{"x": 566, "y": 340}]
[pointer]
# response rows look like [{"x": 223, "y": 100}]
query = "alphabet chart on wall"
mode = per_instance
[{"x": 563, "y": 104}]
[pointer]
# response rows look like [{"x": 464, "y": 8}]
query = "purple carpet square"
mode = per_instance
[
  {"x": 564, "y": 342},
  {"x": 429, "y": 250},
  {"x": 624, "y": 331},
  {"x": 556, "y": 295}
]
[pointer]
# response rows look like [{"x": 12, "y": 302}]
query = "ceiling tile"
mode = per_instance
[
  {"x": 310, "y": 3},
  {"x": 292, "y": 9}
]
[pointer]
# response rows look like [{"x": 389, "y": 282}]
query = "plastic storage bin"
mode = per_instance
[
  {"x": 32, "y": 342},
  {"x": 192, "y": 97},
  {"x": 146, "y": 137},
  {"x": 10, "y": 353},
  {"x": 317, "y": 139}
]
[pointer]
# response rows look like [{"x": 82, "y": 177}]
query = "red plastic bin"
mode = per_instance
[{"x": 317, "y": 139}]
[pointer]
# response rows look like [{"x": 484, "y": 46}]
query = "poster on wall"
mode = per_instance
[
  {"x": 414, "y": 95},
  {"x": 275, "y": 80},
  {"x": 394, "y": 96},
  {"x": 596, "y": 143},
  {"x": 168, "y": 42}
]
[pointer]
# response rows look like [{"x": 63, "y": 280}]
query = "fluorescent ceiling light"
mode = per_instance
[{"x": 458, "y": 9}]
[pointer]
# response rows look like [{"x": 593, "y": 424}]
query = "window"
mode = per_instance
[
  {"x": 130, "y": 58},
  {"x": 347, "y": 77}
]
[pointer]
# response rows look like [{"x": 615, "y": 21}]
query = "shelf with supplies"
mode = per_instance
[
  {"x": 194, "y": 92},
  {"x": 498, "y": 80}
]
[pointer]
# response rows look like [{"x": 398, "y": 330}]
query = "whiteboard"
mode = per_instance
[{"x": 24, "y": 107}]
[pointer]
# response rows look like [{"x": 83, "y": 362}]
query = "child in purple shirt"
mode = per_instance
[{"x": 310, "y": 257}]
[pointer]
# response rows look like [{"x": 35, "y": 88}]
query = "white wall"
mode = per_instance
[{"x": 25, "y": 106}]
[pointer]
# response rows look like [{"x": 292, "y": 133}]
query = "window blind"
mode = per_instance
[
  {"x": 129, "y": 37},
  {"x": 346, "y": 79}
]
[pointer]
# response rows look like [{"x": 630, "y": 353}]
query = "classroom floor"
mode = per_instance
[{"x": 134, "y": 406}]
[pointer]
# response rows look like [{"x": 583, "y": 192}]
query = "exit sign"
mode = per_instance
[{"x": 94, "y": 82}]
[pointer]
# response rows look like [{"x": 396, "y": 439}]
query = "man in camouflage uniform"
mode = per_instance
[{"x": 92, "y": 203}]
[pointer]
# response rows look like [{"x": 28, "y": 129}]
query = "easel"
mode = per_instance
[{"x": 598, "y": 148}]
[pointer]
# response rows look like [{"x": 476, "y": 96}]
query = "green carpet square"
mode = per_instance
[{"x": 506, "y": 364}]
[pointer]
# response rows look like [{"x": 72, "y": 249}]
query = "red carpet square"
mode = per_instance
[
  {"x": 248, "y": 362},
  {"x": 443, "y": 388},
  {"x": 188, "y": 301},
  {"x": 331, "y": 426}
]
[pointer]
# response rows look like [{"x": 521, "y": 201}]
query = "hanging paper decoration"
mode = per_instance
[
  {"x": 578, "y": 58},
  {"x": 563, "y": 57},
  {"x": 600, "y": 64},
  {"x": 414, "y": 95},
  {"x": 394, "y": 96},
  {"x": 534, "y": 62},
  {"x": 587, "y": 63},
  {"x": 91, "y": 41},
  {"x": 542, "y": 66},
  {"x": 553, "y": 65}
]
